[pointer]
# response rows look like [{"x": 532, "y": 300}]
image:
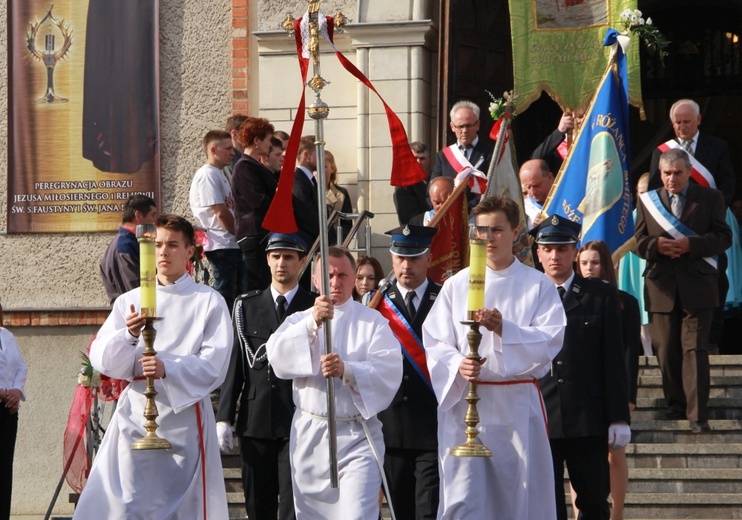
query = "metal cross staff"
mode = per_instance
[{"x": 319, "y": 110}]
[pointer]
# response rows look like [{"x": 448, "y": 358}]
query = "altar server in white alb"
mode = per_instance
[
  {"x": 367, "y": 364},
  {"x": 522, "y": 326},
  {"x": 193, "y": 344}
]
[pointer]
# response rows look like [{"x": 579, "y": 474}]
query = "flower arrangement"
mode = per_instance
[
  {"x": 503, "y": 106},
  {"x": 195, "y": 265},
  {"x": 634, "y": 23},
  {"x": 88, "y": 376},
  {"x": 99, "y": 384}
]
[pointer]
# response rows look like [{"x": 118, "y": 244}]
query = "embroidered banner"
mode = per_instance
[{"x": 556, "y": 49}]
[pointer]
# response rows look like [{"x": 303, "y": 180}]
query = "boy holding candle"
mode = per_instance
[
  {"x": 193, "y": 346},
  {"x": 522, "y": 325}
]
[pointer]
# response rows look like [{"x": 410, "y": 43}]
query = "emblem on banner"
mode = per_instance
[{"x": 50, "y": 56}]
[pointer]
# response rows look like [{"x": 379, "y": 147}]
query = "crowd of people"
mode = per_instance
[{"x": 560, "y": 344}]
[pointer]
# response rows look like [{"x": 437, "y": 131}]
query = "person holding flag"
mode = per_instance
[
  {"x": 410, "y": 422},
  {"x": 594, "y": 188}
]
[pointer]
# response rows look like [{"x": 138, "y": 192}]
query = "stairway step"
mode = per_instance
[
  {"x": 664, "y": 431},
  {"x": 683, "y": 505},
  {"x": 684, "y": 449},
  {"x": 654, "y": 379},
  {"x": 714, "y": 361},
  {"x": 655, "y": 392},
  {"x": 649, "y": 403}
]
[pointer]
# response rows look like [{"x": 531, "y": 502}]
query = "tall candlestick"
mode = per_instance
[
  {"x": 477, "y": 268},
  {"x": 147, "y": 271}
]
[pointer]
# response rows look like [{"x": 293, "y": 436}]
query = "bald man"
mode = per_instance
[
  {"x": 536, "y": 178},
  {"x": 440, "y": 189}
]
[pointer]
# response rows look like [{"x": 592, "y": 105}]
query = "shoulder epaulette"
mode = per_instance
[{"x": 250, "y": 294}]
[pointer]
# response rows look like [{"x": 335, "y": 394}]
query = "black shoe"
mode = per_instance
[
  {"x": 674, "y": 415},
  {"x": 699, "y": 427}
]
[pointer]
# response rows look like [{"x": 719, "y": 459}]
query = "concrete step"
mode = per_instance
[
  {"x": 715, "y": 361},
  {"x": 654, "y": 408},
  {"x": 697, "y": 506},
  {"x": 685, "y": 480},
  {"x": 664, "y": 431},
  {"x": 714, "y": 455}
]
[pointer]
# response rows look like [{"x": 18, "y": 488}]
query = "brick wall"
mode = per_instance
[
  {"x": 240, "y": 56},
  {"x": 53, "y": 318}
]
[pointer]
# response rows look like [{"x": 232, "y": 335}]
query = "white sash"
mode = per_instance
[{"x": 669, "y": 222}]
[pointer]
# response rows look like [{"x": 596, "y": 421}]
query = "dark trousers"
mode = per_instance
[
  {"x": 587, "y": 464},
  {"x": 8, "y": 431},
  {"x": 256, "y": 264},
  {"x": 413, "y": 481},
  {"x": 680, "y": 338},
  {"x": 229, "y": 273},
  {"x": 266, "y": 477}
]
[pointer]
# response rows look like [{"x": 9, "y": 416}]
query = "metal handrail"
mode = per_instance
[{"x": 359, "y": 220}]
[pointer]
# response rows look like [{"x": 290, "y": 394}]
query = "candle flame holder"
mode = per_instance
[
  {"x": 473, "y": 447},
  {"x": 151, "y": 441},
  {"x": 51, "y": 55}
]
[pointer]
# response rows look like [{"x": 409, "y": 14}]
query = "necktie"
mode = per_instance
[
  {"x": 561, "y": 292},
  {"x": 280, "y": 307},
  {"x": 688, "y": 146},
  {"x": 314, "y": 183},
  {"x": 409, "y": 298},
  {"x": 676, "y": 205}
]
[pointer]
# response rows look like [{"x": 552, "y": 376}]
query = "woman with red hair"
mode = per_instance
[{"x": 253, "y": 187}]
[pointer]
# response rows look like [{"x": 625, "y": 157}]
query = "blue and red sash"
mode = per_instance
[
  {"x": 412, "y": 346},
  {"x": 669, "y": 222}
]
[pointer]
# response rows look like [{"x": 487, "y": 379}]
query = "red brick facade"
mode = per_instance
[
  {"x": 53, "y": 318},
  {"x": 240, "y": 32}
]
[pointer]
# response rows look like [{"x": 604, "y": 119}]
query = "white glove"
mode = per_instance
[
  {"x": 224, "y": 435},
  {"x": 619, "y": 435}
]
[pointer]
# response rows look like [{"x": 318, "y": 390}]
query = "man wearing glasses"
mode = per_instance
[{"x": 468, "y": 150}]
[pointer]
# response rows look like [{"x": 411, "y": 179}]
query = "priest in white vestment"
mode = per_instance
[
  {"x": 366, "y": 365},
  {"x": 193, "y": 343},
  {"x": 522, "y": 326}
]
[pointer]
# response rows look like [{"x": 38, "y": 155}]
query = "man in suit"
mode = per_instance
[
  {"x": 586, "y": 393},
  {"x": 711, "y": 152},
  {"x": 305, "y": 197},
  {"x": 710, "y": 166},
  {"x": 305, "y": 190},
  {"x": 679, "y": 229},
  {"x": 468, "y": 150},
  {"x": 410, "y": 201},
  {"x": 410, "y": 422},
  {"x": 265, "y": 401}
]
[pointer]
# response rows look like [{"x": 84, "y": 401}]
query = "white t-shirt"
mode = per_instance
[{"x": 210, "y": 187}]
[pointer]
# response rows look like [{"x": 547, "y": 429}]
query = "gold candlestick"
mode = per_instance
[
  {"x": 150, "y": 441},
  {"x": 146, "y": 234},
  {"x": 478, "y": 238},
  {"x": 473, "y": 447}
]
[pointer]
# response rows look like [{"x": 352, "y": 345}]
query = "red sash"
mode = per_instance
[
  {"x": 521, "y": 382},
  {"x": 412, "y": 347},
  {"x": 457, "y": 161},
  {"x": 698, "y": 171}
]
